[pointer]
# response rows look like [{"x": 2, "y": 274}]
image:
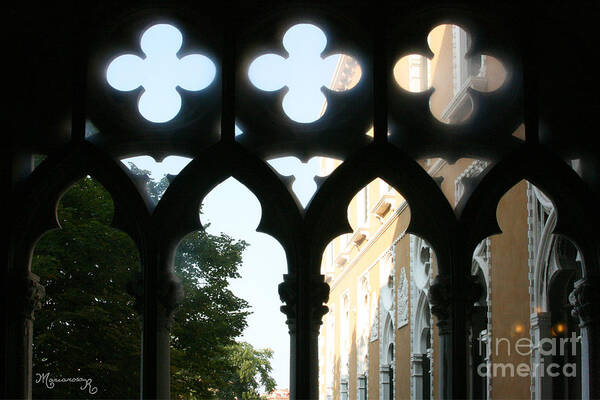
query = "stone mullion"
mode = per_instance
[
  {"x": 451, "y": 298},
  {"x": 149, "y": 331},
  {"x": 162, "y": 292},
  {"x": 304, "y": 297},
  {"x": 441, "y": 307}
]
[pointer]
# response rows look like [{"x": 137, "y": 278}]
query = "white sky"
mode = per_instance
[{"x": 230, "y": 207}]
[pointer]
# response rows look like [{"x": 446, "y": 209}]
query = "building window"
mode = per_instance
[
  {"x": 362, "y": 387},
  {"x": 464, "y": 68},
  {"x": 362, "y": 206},
  {"x": 344, "y": 389}
]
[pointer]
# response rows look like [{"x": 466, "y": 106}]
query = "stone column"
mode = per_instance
[
  {"x": 24, "y": 298},
  {"x": 304, "y": 309},
  {"x": 440, "y": 297},
  {"x": 451, "y": 301},
  {"x": 156, "y": 300},
  {"x": 585, "y": 299},
  {"x": 170, "y": 295},
  {"x": 541, "y": 325}
]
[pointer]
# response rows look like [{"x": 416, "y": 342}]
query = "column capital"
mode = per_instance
[
  {"x": 170, "y": 295},
  {"x": 585, "y": 300},
  {"x": 288, "y": 295},
  {"x": 319, "y": 296},
  {"x": 440, "y": 298}
]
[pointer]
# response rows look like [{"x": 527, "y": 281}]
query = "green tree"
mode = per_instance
[
  {"x": 251, "y": 369},
  {"x": 88, "y": 328}
]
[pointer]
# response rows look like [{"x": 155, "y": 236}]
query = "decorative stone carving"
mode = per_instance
[
  {"x": 440, "y": 298},
  {"x": 374, "y": 318},
  {"x": 170, "y": 294},
  {"x": 585, "y": 299},
  {"x": 27, "y": 294},
  {"x": 319, "y": 295},
  {"x": 287, "y": 294},
  {"x": 402, "y": 299},
  {"x": 34, "y": 295},
  {"x": 420, "y": 263},
  {"x": 465, "y": 182}
]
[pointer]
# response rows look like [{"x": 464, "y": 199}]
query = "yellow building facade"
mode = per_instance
[{"x": 379, "y": 339}]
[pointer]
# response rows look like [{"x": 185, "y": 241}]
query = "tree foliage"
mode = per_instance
[
  {"x": 88, "y": 327},
  {"x": 248, "y": 365}
]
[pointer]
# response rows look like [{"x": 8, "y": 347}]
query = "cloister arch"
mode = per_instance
[
  {"x": 62, "y": 84},
  {"x": 86, "y": 268},
  {"x": 428, "y": 205},
  {"x": 478, "y": 211},
  {"x": 58, "y": 172}
]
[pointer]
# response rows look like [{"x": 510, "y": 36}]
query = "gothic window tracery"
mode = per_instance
[{"x": 85, "y": 126}]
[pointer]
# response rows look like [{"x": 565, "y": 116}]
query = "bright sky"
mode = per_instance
[{"x": 230, "y": 207}]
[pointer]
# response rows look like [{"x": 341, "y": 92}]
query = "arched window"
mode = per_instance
[{"x": 451, "y": 106}]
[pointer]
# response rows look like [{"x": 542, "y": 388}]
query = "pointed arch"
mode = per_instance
[
  {"x": 431, "y": 215},
  {"x": 177, "y": 213},
  {"x": 89, "y": 272},
  {"x": 572, "y": 199},
  {"x": 37, "y": 198}
]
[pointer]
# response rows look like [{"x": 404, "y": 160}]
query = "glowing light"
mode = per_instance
[
  {"x": 559, "y": 329},
  {"x": 518, "y": 328}
]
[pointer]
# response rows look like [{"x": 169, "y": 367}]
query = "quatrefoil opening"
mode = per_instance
[
  {"x": 304, "y": 72},
  {"x": 451, "y": 71},
  {"x": 160, "y": 73}
]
